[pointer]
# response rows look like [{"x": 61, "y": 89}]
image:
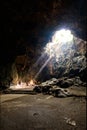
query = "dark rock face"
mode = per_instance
[
  {"x": 8, "y": 75},
  {"x": 33, "y": 22}
]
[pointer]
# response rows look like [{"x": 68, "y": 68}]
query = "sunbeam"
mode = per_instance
[{"x": 42, "y": 68}]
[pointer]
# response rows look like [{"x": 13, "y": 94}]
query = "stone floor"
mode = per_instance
[{"x": 42, "y": 112}]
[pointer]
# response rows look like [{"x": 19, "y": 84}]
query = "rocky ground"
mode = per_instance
[
  {"x": 42, "y": 112},
  {"x": 57, "y": 104},
  {"x": 62, "y": 87}
]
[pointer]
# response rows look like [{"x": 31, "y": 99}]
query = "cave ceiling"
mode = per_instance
[{"x": 29, "y": 24}]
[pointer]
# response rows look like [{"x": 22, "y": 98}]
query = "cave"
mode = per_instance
[{"x": 43, "y": 66}]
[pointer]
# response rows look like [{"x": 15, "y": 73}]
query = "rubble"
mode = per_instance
[
  {"x": 70, "y": 121},
  {"x": 62, "y": 87}
]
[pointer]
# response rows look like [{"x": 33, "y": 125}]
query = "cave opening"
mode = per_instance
[{"x": 60, "y": 57}]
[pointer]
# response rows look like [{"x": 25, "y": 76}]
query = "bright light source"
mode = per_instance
[
  {"x": 62, "y": 40},
  {"x": 62, "y": 36}
]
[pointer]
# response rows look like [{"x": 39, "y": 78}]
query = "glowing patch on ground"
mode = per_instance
[
  {"x": 23, "y": 85},
  {"x": 31, "y": 82}
]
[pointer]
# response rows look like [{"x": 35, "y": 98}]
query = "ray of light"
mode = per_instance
[
  {"x": 40, "y": 58},
  {"x": 43, "y": 66}
]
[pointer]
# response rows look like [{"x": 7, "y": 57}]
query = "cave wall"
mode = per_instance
[
  {"x": 8, "y": 75},
  {"x": 29, "y": 25},
  {"x": 73, "y": 62}
]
